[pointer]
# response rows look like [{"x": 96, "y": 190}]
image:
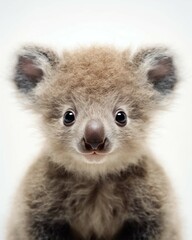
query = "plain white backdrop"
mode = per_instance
[{"x": 69, "y": 24}]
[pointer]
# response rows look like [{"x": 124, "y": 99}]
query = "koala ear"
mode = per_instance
[
  {"x": 33, "y": 64},
  {"x": 157, "y": 65}
]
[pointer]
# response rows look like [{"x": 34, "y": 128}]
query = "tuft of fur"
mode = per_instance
[{"x": 123, "y": 194}]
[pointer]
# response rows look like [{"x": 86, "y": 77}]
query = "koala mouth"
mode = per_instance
[
  {"x": 95, "y": 153},
  {"x": 94, "y": 157},
  {"x": 95, "y": 148},
  {"x": 94, "y": 144}
]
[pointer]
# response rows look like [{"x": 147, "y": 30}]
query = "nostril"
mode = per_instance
[
  {"x": 87, "y": 146},
  {"x": 94, "y": 145},
  {"x": 101, "y": 146}
]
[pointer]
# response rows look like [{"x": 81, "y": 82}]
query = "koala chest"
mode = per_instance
[{"x": 95, "y": 209}]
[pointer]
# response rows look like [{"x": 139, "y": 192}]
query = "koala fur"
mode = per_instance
[{"x": 118, "y": 191}]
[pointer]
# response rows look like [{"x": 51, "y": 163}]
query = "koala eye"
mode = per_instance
[
  {"x": 121, "y": 118},
  {"x": 69, "y": 118}
]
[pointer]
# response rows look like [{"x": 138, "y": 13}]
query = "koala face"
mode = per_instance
[{"x": 96, "y": 103}]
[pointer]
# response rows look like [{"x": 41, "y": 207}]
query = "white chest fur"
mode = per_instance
[{"x": 96, "y": 210}]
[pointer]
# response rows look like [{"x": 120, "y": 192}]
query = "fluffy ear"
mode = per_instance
[
  {"x": 33, "y": 65},
  {"x": 157, "y": 64}
]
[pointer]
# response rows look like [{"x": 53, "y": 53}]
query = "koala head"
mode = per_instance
[{"x": 96, "y": 103}]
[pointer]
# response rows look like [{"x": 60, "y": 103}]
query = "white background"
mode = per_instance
[{"x": 69, "y": 24}]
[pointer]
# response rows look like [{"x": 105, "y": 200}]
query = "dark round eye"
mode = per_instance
[
  {"x": 121, "y": 118},
  {"x": 69, "y": 118}
]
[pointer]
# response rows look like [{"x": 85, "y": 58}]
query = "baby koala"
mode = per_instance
[{"x": 95, "y": 178}]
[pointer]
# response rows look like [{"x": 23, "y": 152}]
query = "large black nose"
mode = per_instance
[{"x": 94, "y": 137}]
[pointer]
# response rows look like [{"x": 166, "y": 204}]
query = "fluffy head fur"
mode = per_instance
[{"x": 95, "y": 83}]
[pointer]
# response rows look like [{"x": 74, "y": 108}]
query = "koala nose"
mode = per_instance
[{"x": 94, "y": 137}]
